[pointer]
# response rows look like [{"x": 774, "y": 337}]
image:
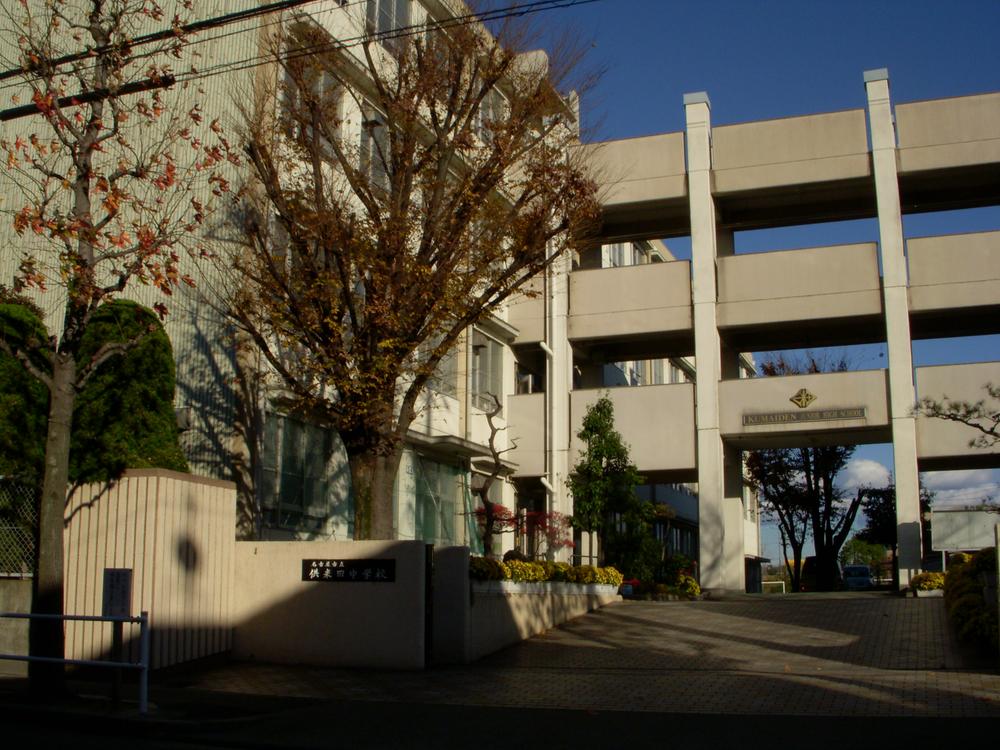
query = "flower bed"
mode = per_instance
[
  {"x": 518, "y": 571},
  {"x": 927, "y": 581}
]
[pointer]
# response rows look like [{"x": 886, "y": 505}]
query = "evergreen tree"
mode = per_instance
[
  {"x": 604, "y": 501},
  {"x": 23, "y": 399},
  {"x": 124, "y": 415}
]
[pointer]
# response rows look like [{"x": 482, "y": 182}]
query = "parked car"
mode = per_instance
[{"x": 858, "y": 578}]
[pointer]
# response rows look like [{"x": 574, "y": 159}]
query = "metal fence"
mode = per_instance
[{"x": 18, "y": 522}]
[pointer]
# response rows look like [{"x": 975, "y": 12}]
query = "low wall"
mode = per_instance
[
  {"x": 175, "y": 531},
  {"x": 472, "y": 619},
  {"x": 503, "y": 612},
  {"x": 359, "y": 621},
  {"x": 15, "y": 596}
]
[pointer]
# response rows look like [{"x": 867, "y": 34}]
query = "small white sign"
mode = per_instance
[{"x": 117, "y": 592}]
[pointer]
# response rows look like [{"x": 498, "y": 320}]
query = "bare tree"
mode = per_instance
[
  {"x": 798, "y": 487},
  {"x": 397, "y": 201},
  {"x": 106, "y": 171},
  {"x": 494, "y": 517}
]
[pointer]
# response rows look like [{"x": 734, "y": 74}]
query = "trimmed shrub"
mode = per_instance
[
  {"x": 488, "y": 569},
  {"x": 984, "y": 561},
  {"x": 526, "y": 572},
  {"x": 24, "y": 400},
  {"x": 927, "y": 581},
  {"x": 583, "y": 574},
  {"x": 688, "y": 587},
  {"x": 610, "y": 576},
  {"x": 970, "y": 613},
  {"x": 124, "y": 415}
]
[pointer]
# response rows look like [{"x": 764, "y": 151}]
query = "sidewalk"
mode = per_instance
[{"x": 872, "y": 659}]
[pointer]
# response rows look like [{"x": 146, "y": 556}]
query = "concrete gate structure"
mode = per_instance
[{"x": 880, "y": 162}]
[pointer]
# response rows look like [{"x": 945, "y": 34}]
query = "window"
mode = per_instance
[
  {"x": 493, "y": 109},
  {"x": 311, "y": 90},
  {"x": 375, "y": 158},
  {"x": 616, "y": 255},
  {"x": 439, "y": 487},
  {"x": 385, "y": 17},
  {"x": 487, "y": 371},
  {"x": 298, "y": 491},
  {"x": 445, "y": 377},
  {"x": 658, "y": 372}
]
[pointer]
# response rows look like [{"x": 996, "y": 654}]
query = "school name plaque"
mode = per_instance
[
  {"x": 349, "y": 571},
  {"x": 814, "y": 415}
]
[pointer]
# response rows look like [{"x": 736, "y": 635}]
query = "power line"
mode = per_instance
[
  {"x": 159, "y": 36},
  {"x": 402, "y": 32},
  {"x": 535, "y": 6}
]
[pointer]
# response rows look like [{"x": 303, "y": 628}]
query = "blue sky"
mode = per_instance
[{"x": 778, "y": 58}]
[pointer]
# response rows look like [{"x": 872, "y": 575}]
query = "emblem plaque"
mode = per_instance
[{"x": 803, "y": 398}]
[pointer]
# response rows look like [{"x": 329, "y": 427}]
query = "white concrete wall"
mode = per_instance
[
  {"x": 816, "y": 283},
  {"x": 790, "y": 151},
  {"x": 656, "y": 421},
  {"x": 631, "y": 300},
  {"x": 954, "y": 271},
  {"x": 527, "y": 431},
  {"x": 175, "y": 531},
  {"x": 946, "y": 443},
  {"x": 281, "y": 618},
  {"x": 950, "y": 132},
  {"x": 833, "y": 390},
  {"x": 639, "y": 169}
]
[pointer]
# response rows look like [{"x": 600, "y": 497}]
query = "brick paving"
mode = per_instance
[{"x": 804, "y": 655}]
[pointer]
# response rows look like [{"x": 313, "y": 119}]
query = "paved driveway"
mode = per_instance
[{"x": 807, "y": 655}]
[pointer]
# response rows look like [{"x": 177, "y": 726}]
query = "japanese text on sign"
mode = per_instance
[{"x": 349, "y": 571}]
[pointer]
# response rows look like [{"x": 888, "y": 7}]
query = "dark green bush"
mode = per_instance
[
  {"x": 124, "y": 416},
  {"x": 24, "y": 400},
  {"x": 985, "y": 561},
  {"x": 971, "y": 615}
]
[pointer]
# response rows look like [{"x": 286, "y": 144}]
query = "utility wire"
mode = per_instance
[
  {"x": 159, "y": 36},
  {"x": 402, "y": 32},
  {"x": 236, "y": 66}
]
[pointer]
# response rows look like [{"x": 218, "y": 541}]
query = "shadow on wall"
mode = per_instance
[
  {"x": 221, "y": 385},
  {"x": 221, "y": 423}
]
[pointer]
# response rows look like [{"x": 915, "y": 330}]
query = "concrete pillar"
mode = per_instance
[
  {"x": 902, "y": 394},
  {"x": 712, "y": 522},
  {"x": 559, "y": 383}
]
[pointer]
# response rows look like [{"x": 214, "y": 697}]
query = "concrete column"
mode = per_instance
[
  {"x": 559, "y": 383},
  {"x": 733, "y": 539},
  {"x": 712, "y": 527},
  {"x": 902, "y": 394}
]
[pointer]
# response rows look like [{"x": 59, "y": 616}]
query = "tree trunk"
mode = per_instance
[
  {"x": 46, "y": 637},
  {"x": 372, "y": 482}
]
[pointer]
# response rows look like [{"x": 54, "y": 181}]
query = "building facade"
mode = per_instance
[{"x": 666, "y": 339}]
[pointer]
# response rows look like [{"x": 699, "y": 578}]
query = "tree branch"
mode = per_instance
[{"x": 22, "y": 357}]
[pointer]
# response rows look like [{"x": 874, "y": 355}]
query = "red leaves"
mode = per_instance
[
  {"x": 120, "y": 240},
  {"x": 168, "y": 178},
  {"x": 45, "y": 103}
]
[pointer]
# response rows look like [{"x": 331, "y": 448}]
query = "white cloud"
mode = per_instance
[
  {"x": 863, "y": 472},
  {"x": 966, "y": 496},
  {"x": 957, "y": 480}
]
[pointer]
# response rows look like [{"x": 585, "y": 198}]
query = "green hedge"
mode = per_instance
[
  {"x": 973, "y": 618},
  {"x": 488, "y": 569}
]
